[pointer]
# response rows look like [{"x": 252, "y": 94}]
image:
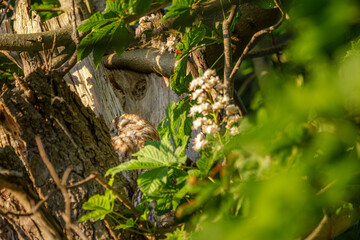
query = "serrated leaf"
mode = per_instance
[
  {"x": 151, "y": 181},
  {"x": 120, "y": 39},
  {"x": 96, "y": 41},
  {"x": 180, "y": 80},
  {"x": 178, "y": 196},
  {"x": 163, "y": 206},
  {"x": 152, "y": 154},
  {"x": 193, "y": 37},
  {"x": 100, "y": 206},
  {"x": 139, "y": 6},
  {"x": 129, "y": 224},
  {"x": 116, "y": 6},
  {"x": 103, "y": 36},
  {"x": 96, "y": 21},
  {"x": 206, "y": 162},
  {"x": 177, "y": 8},
  {"x": 134, "y": 164}
]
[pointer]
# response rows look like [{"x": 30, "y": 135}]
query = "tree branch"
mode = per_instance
[
  {"x": 254, "y": 38},
  {"x": 34, "y": 41},
  {"x": 227, "y": 49}
]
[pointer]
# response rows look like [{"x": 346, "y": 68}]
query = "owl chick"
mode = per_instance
[{"x": 129, "y": 133}]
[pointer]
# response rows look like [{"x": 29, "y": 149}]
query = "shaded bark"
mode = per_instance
[{"x": 71, "y": 133}]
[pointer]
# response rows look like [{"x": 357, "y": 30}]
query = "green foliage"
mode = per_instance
[
  {"x": 99, "y": 205},
  {"x": 297, "y": 154},
  {"x": 108, "y": 29},
  {"x": 46, "y": 4},
  {"x": 106, "y": 32}
]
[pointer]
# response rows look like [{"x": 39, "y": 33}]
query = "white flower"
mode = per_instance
[
  {"x": 198, "y": 122},
  {"x": 139, "y": 30},
  {"x": 209, "y": 121},
  {"x": 214, "y": 80},
  {"x": 205, "y": 106},
  {"x": 162, "y": 48},
  {"x": 217, "y": 106},
  {"x": 234, "y": 118},
  {"x": 231, "y": 109},
  {"x": 196, "y": 94},
  {"x": 202, "y": 98},
  {"x": 194, "y": 110},
  {"x": 234, "y": 131},
  {"x": 206, "y": 86},
  {"x": 195, "y": 83},
  {"x": 223, "y": 99},
  {"x": 208, "y": 73},
  {"x": 171, "y": 42},
  {"x": 207, "y": 129},
  {"x": 199, "y": 142}
]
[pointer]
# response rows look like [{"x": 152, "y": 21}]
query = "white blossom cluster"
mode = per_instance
[
  {"x": 211, "y": 102},
  {"x": 153, "y": 23}
]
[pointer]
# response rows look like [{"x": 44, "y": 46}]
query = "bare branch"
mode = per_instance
[
  {"x": 33, "y": 41},
  {"x": 227, "y": 48},
  {"x": 254, "y": 38},
  {"x": 3, "y": 15},
  {"x": 73, "y": 60},
  {"x": 67, "y": 216}
]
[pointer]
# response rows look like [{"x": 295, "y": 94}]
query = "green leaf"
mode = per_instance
[
  {"x": 178, "y": 7},
  {"x": 152, "y": 154},
  {"x": 178, "y": 196},
  {"x": 193, "y": 37},
  {"x": 139, "y": 6},
  {"x": 120, "y": 38},
  {"x": 96, "y": 41},
  {"x": 134, "y": 164},
  {"x": 152, "y": 180},
  {"x": 129, "y": 224},
  {"x": 180, "y": 80},
  {"x": 116, "y": 6},
  {"x": 95, "y": 21},
  {"x": 100, "y": 206},
  {"x": 163, "y": 206},
  {"x": 207, "y": 160}
]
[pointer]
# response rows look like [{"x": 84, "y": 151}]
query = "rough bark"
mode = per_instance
[{"x": 72, "y": 135}]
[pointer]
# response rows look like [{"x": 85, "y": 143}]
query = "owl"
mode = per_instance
[{"x": 128, "y": 134}]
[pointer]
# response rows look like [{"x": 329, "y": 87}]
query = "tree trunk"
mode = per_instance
[{"x": 72, "y": 136}]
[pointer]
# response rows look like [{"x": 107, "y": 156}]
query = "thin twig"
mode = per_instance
[
  {"x": 7, "y": 172},
  {"x": 64, "y": 192},
  {"x": 227, "y": 49},
  {"x": 73, "y": 60},
  {"x": 3, "y": 15},
  {"x": 265, "y": 51},
  {"x": 254, "y": 37},
  {"x": 50, "y": 10}
]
